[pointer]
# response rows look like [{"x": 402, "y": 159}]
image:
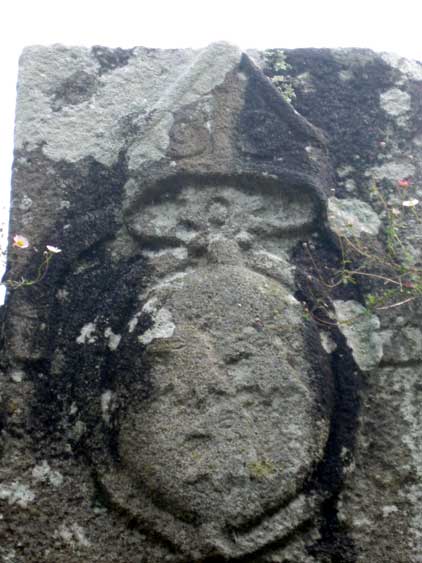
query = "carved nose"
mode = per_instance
[{"x": 222, "y": 250}]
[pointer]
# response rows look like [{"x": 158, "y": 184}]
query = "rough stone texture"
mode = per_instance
[
  {"x": 352, "y": 217},
  {"x": 182, "y": 385},
  {"x": 362, "y": 333}
]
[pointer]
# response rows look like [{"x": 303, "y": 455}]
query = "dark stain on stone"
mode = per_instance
[
  {"x": 96, "y": 290},
  {"x": 269, "y": 128},
  {"x": 354, "y": 137},
  {"x": 110, "y": 59},
  {"x": 335, "y": 545},
  {"x": 77, "y": 88}
]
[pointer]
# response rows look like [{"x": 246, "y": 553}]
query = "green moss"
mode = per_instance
[
  {"x": 261, "y": 469},
  {"x": 278, "y": 71},
  {"x": 196, "y": 456}
]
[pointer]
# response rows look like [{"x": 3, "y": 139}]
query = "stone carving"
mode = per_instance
[
  {"x": 175, "y": 388},
  {"x": 233, "y": 424}
]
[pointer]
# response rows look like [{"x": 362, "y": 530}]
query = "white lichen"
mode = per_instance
[
  {"x": 352, "y": 217},
  {"x": 395, "y": 102},
  {"x": 44, "y": 473},
  {"x": 393, "y": 170},
  {"x": 389, "y": 509},
  {"x": 163, "y": 327},
  {"x": 113, "y": 339},
  {"x": 17, "y": 493},
  {"x": 410, "y": 69},
  {"x": 132, "y": 324},
  {"x": 62, "y": 295},
  {"x": 9, "y": 556},
  {"x": 87, "y": 335},
  {"x": 179, "y": 252},
  {"x": 328, "y": 344},
  {"x": 107, "y": 405},
  {"x": 73, "y": 534},
  {"x": 361, "y": 331},
  {"x": 17, "y": 375},
  {"x": 344, "y": 171}
]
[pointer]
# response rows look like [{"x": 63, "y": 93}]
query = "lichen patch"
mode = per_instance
[
  {"x": 395, "y": 102},
  {"x": 352, "y": 217},
  {"x": 163, "y": 327},
  {"x": 87, "y": 335},
  {"x": 113, "y": 339},
  {"x": 361, "y": 332},
  {"x": 17, "y": 493}
]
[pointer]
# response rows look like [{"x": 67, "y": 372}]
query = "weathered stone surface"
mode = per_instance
[
  {"x": 352, "y": 218},
  {"x": 197, "y": 376},
  {"x": 361, "y": 331}
]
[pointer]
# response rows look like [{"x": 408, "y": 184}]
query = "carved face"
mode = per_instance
[{"x": 233, "y": 425}]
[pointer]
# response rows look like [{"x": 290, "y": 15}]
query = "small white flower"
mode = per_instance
[
  {"x": 20, "y": 241},
  {"x": 395, "y": 211},
  {"x": 53, "y": 249},
  {"x": 410, "y": 202}
]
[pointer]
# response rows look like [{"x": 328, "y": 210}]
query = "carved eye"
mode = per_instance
[
  {"x": 189, "y": 224},
  {"x": 217, "y": 214},
  {"x": 217, "y": 210}
]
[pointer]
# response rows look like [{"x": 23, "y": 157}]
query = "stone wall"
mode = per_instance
[{"x": 223, "y": 362}]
